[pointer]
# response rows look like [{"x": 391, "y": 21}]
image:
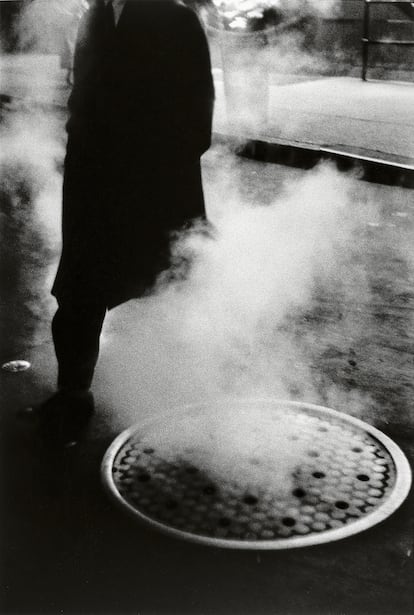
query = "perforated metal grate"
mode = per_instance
[{"x": 345, "y": 476}]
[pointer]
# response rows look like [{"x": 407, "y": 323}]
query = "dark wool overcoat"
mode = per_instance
[{"x": 140, "y": 118}]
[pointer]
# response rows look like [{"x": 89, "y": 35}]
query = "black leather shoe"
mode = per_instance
[{"x": 63, "y": 417}]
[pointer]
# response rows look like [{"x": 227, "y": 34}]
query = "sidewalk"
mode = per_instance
[
  {"x": 338, "y": 116},
  {"x": 367, "y": 120}
]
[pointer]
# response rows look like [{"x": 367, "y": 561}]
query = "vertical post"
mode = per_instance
[{"x": 365, "y": 41}]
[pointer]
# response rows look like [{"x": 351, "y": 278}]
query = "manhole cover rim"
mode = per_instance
[{"x": 397, "y": 495}]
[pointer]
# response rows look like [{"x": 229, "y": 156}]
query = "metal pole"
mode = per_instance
[{"x": 365, "y": 41}]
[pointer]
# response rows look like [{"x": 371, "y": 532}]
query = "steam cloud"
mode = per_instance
[
  {"x": 221, "y": 331},
  {"x": 50, "y": 25},
  {"x": 254, "y": 63},
  {"x": 228, "y": 329},
  {"x": 239, "y": 325},
  {"x": 232, "y": 444},
  {"x": 30, "y": 158}
]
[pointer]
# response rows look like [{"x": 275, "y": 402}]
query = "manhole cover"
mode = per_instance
[{"x": 257, "y": 474}]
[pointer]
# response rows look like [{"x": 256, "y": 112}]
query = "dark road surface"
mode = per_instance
[{"x": 66, "y": 549}]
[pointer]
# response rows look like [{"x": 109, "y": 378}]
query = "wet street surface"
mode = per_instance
[{"x": 67, "y": 549}]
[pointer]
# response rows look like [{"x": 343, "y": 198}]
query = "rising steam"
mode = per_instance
[
  {"x": 30, "y": 159},
  {"x": 50, "y": 26},
  {"x": 228, "y": 328}
]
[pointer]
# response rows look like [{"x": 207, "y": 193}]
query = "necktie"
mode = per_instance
[{"x": 109, "y": 18}]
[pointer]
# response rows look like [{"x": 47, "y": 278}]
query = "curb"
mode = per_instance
[
  {"x": 376, "y": 167},
  {"x": 369, "y": 166}
]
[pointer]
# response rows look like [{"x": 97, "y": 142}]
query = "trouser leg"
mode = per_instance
[{"x": 76, "y": 329}]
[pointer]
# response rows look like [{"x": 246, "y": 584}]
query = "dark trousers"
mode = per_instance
[{"x": 76, "y": 329}]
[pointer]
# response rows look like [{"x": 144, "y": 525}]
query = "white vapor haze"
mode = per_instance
[
  {"x": 224, "y": 329},
  {"x": 229, "y": 328},
  {"x": 30, "y": 160}
]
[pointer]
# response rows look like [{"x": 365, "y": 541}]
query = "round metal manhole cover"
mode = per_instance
[{"x": 257, "y": 474}]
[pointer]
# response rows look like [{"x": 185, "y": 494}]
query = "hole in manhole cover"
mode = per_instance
[{"x": 318, "y": 475}]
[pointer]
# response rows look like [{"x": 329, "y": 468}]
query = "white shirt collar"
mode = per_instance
[{"x": 118, "y": 6}]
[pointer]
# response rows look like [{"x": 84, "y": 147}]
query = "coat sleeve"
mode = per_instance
[
  {"x": 194, "y": 112},
  {"x": 81, "y": 99}
]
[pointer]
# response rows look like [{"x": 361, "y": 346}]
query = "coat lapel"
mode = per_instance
[{"x": 124, "y": 15}]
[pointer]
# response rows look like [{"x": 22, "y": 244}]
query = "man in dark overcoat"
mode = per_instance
[{"x": 139, "y": 120}]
